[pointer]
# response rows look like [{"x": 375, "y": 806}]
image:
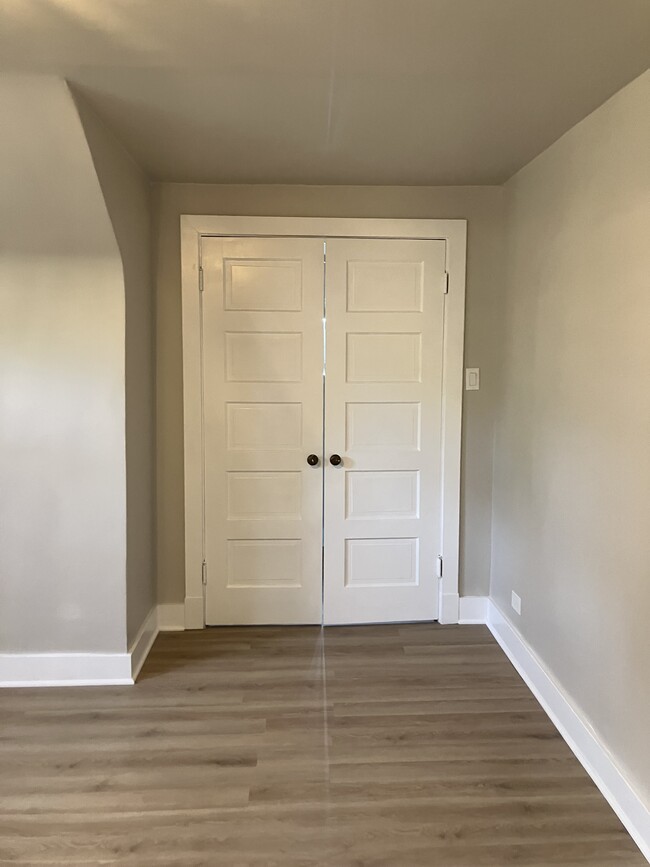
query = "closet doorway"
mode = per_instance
[{"x": 324, "y": 394}]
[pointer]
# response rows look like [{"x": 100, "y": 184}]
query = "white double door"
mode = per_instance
[{"x": 315, "y": 350}]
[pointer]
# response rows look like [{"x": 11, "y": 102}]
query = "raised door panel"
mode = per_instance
[
  {"x": 383, "y": 562},
  {"x": 383, "y": 357},
  {"x": 257, "y": 356},
  {"x": 385, "y": 308},
  {"x": 390, "y": 287},
  {"x": 263, "y": 368},
  {"x": 263, "y": 564},
  {"x": 377, "y": 494},
  {"x": 271, "y": 495},
  {"x": 390, "y": 425},
  {"x": 263, "y": 284},
  {"x": 254, "y": 426}
]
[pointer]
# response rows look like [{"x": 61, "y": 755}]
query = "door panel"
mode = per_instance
[
  {"x": 383, "y": 357},
  {"x": 263, "y": 407},
  {"x": 385, "y": 306}
]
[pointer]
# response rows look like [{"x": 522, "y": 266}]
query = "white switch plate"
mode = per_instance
[
  {"x": 516, "y": 602},
  {"x": 472, "y": 379}
]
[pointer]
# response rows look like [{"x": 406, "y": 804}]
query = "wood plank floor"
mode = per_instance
[{"x": 382, "y": 746}]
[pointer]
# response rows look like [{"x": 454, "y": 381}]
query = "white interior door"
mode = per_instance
[
  {"x": 263, "y": 416},
  {"x": 385, "y": 305}
]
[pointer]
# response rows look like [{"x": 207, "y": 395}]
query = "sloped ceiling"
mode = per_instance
[{"x": 333, "y": 91}]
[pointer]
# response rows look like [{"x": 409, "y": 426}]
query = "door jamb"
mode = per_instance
[{"x": 454, "y": 233}]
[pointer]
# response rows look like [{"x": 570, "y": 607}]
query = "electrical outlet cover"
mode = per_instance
[{"x": 516, "y": 602}]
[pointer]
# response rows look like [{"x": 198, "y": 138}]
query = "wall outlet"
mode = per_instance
[{"x": 516, "y": 602}]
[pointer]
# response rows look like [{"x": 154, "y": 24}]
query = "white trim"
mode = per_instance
[
  {"x": 65, "y": 669},
  {"x": 323, "y": 227},
  {"x": 192, "y": 414},
  {"x": 449, "y": 607},
  {"x": 171, "y": 617},
  {"x": 91, "y": 669},
  {"x": 452, "y": 417},
  {"x": 473, "y": 609},
  {"x": 454, "y": 233},
  {"x": 590, "y": 751},
  {"x": 143, "y": 642},
  {"x": 194, "y": 614}
]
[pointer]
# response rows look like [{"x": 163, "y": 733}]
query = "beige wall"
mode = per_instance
[
  {"x": 571, "y": 520},
  {"x": 62, "y": 465},
  {"x": 481, "y": 206},
  {"x": 126, "y": 192}
]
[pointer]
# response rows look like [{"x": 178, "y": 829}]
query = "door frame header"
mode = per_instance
[{"x": 193, "y": 228}]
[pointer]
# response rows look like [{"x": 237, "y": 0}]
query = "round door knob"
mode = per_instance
[
  {"x": 335, "y": 460},
  {"x": 312, "y": 460}
]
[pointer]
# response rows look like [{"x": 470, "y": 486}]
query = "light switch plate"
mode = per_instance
[{"x": 472, "y": 379}]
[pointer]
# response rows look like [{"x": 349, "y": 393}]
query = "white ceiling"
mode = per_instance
[{"x": 333, "y": 91}]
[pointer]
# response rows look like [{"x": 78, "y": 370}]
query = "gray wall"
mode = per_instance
[
  {"x": 481, "y": 206},
  {"x": 126, "y": 192},
  {"x": 571, "y": 519},
  {"x": 62, "y": 453}
]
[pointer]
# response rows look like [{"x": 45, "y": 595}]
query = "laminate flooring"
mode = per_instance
[{"x": 368, "y": 746}]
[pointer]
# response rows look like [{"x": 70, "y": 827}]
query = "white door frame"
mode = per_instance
[{"x": 193, "y": 228}]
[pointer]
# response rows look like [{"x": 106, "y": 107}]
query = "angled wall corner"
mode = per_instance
[
  {"x": 62, "y": 384},
  {"x": 126, "y": 192}
]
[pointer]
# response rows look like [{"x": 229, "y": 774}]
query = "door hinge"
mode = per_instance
[
  {"x": 200, "y": 278},
  {"x": 439, "y": 566},
  {"x": 204, "y": 573},
  {"x": 445, "y": 283}
]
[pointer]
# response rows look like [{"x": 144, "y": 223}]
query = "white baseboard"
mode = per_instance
[
  {"x": 590, "y": 751},
  {"x": 194, "y": 617},
  {"x": 448, "y": 608},
  {"x": 171, "y": 617},
  {"x": 65, "y": 669},
  {"x": 143, "y": 642},
  {"x": 91, "y": 669},
  {"x": 473, "y": 609}
]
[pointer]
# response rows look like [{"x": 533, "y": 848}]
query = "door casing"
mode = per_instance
[{"x": 196, "y": 227}]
